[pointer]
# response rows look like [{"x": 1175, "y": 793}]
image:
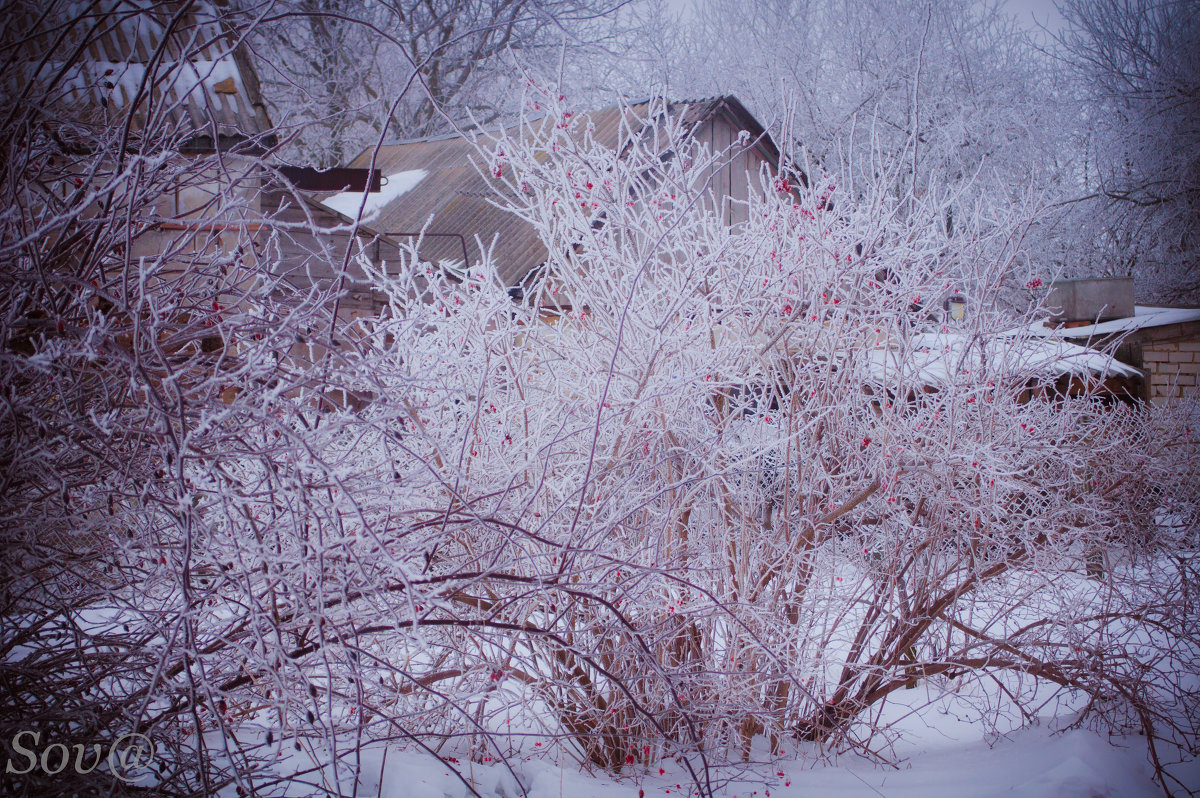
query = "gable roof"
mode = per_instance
[
  {"x": 170, "y": 62},
  {"x": 441, "y": 180}
]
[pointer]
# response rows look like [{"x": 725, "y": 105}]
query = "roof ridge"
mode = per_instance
[{"x": 713, "y": 100}]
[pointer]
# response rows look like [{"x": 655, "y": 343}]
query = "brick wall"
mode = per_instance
[{"x": 1173, "y": 368}]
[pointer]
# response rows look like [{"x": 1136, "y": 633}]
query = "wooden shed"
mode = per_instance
[{"x": 447, "y": 198}]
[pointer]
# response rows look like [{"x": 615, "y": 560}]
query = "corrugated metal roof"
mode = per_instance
[
  {"x": 458, "y": 196},
  {"x": 169, "y": 63}
]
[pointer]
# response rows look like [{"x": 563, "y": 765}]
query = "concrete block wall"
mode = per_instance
[
  {"x": 1173, "y": 368},
  {"x": 1091, "y": 300}
]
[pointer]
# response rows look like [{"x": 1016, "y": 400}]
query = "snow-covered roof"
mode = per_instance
[
  {"x": 935, "y": 358},
  {"x": 394, "y": 185},
  {"x": 461, "y": 198},
  {"x": 1143, "y": 316},
  {"x": 182, "y": 66}
]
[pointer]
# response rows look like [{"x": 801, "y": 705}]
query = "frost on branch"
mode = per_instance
[
  {"x": 707, "y": 483},
  {"x": 808, "y": 507}
]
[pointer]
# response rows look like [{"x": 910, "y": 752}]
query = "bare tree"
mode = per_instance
[
  {"x": 957, "y": 89},
  {"x": 343, "y": 72},
  {"x": 1141, "y": 75},
  {"x": 831, "y": 494}
]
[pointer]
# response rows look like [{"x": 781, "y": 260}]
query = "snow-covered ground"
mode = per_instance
[
  {"x": 1032, "y": 763},
  {"x": 939, "y": 754}
]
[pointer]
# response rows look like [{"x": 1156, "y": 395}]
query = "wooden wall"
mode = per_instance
[{"x": 732, "y": 182}]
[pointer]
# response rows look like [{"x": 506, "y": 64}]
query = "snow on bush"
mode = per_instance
[{"x": 699, "y": 487}]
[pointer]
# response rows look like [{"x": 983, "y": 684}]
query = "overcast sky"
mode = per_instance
[{"x": 1033, "y": 12}]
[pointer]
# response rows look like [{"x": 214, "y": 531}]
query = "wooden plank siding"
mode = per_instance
[{"x": 731, "y": 182}]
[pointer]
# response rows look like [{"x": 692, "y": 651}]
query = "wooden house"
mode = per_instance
[
  {"x": 441, "y": 195},
  {"x": 175, "y": 77},
  {"x": 132, "y": 80}
]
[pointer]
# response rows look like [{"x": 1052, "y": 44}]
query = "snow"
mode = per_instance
[
  {"x": 941, "y": 751},
  {"x": 394, "y": 185},
  {"x": 1143, "y": 316},
  {"x": 1032, "y": 763},
  {"x": 936, "y": 357},
  {"x": 118, "y": 82},
  {"x": 1067, "y": 358}
]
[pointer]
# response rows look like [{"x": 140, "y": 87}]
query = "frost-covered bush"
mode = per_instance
[
  {"x": 774, "y": 488},
  {"x": 704, "y": 484}
]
